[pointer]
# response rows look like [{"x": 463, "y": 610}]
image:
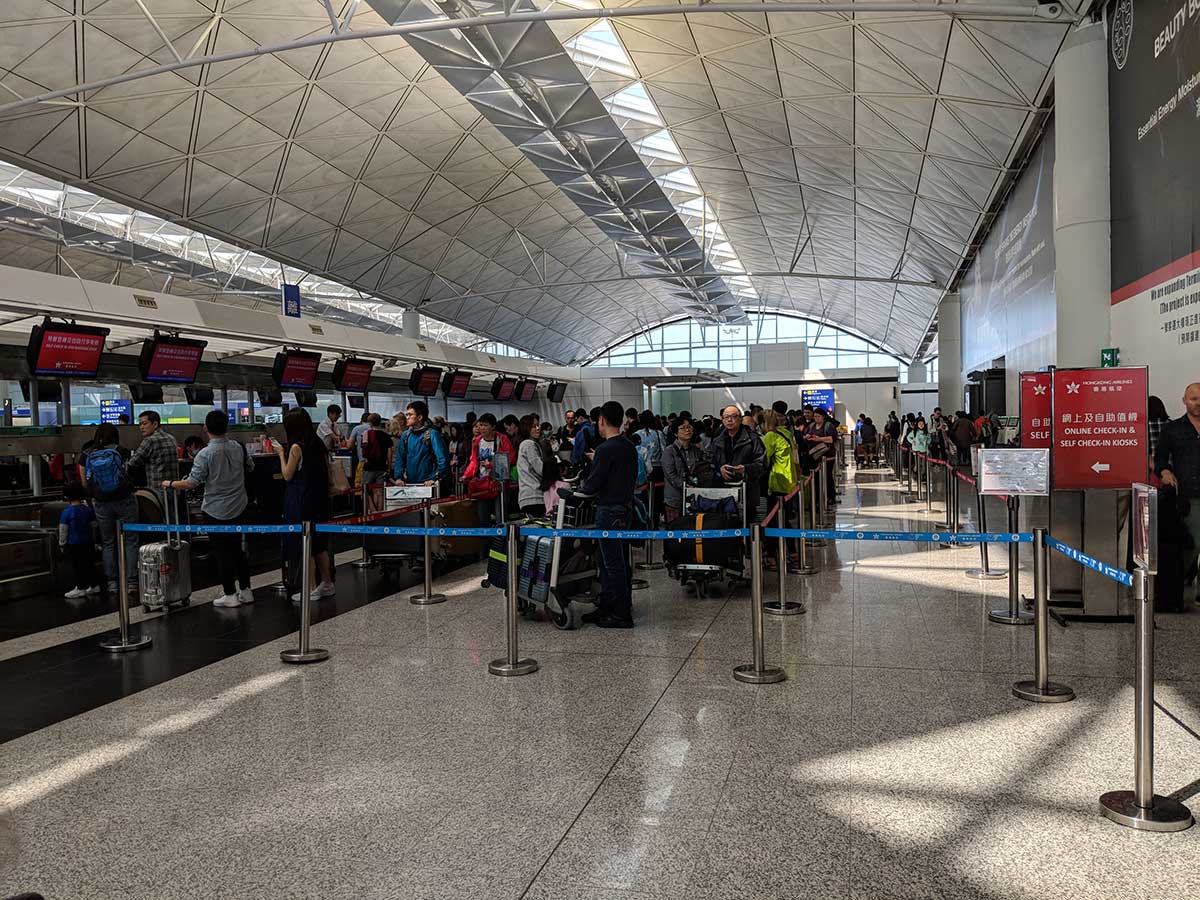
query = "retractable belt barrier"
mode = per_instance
[
  {"x": 338, "y": 528},
  {"x": 155, "y": 528},
  {"x": 625, "y": 534},
  {"x": 1120, "y": 576},
  {"x": 928, "y": 537}
]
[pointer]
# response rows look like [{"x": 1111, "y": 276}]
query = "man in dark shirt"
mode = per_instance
[
  {"x": 1177, "y": 462},
  {"x": 611, "y": 480}
]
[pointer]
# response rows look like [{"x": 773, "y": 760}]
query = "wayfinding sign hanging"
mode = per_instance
[
  {"x": 1035, "y": 409},
  {"x": 1099, "y": 427}
]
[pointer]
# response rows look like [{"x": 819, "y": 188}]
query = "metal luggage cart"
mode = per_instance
[
  {"x": 703, "y": 575},
  {"x": 393, "y": 551}
]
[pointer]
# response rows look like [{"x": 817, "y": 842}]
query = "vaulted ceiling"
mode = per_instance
[{"x": 746, "y": 152}]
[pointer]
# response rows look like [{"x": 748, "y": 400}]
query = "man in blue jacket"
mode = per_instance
[{"x": 420, "y": 456}]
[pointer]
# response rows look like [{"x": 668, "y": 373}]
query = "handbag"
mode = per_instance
[
  {"x": 483, "y": 488},
  {"x": 338, "y": 482},
  {"x": 818, "y": 451}
]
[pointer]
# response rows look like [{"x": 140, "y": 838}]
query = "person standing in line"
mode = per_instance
[
  {"x": 420, "y": 456},
  {"x": 305, "y": 466},
  {"x": 738, "y": 454},
  {"x": 611, "y": 482},
  {"x": 482, "y": 484},
  {"x": 113, "y": 501},
  {"x": 783, "y": 469},
  {"x": 680, "y": 463},
  {"x": 356, "y": 436},
  {"x": 75, "y": 537},
  {"x": 222, "y": 467},
  {"x": 1156, "y": 418},
  {"x": 533, "y": 453},
  {"x": 158, "y": 453},
  {"x": 377, "y": 450}
]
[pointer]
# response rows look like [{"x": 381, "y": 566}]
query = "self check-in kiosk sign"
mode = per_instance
[
  {"x": 1035, "y": 410},
  {"x": 1099, "y": 424}
]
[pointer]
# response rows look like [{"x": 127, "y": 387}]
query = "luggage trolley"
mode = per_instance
[
  {"x": 554, "y": 573},
  {"x": 703, "y": 574},
  {"x": 392, "y": 551}
]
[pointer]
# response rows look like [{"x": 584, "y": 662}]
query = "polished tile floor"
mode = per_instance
[{"x": 893, "y": 762}]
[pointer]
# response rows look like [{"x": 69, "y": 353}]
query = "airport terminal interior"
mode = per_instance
[{"x": 596, "y": 450}]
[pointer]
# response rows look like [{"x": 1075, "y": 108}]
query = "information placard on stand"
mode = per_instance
[
  {"x": 1014, "y": 472},
  {"x": 1145, "y": 527}
]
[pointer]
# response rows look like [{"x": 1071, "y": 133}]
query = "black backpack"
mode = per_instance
[{"x": 551, "y": 470}]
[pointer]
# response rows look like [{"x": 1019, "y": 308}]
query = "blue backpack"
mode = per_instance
[{"x": 106, "y": 477}]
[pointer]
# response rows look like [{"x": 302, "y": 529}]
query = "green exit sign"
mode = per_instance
[{"x": 1110, "y": 357}]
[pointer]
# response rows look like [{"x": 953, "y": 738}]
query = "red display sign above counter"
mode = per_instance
[{"x": 1099, "y": 424}]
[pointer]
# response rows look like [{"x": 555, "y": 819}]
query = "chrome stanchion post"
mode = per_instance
[
  {"x": 928, "y": 485},
  {"x": 427, "y": 597},
  {"x": 124, "y": 641},
  {"x": 365, "y": 561},
  {"x": 648, "y": 564},
  {"x": 1041, "y": 689},
  {"x": 804, "y": 567},
  {"x": 305, "y": 653},
  {"x": 984, "y": 572},
  {"x": 782, "y": 606},
  {"x": 757, "y": 671},
  {"x": 512, "y": 664},
  {"x": 1013, "y": 614},
  {"x": 814, "y": 522},
  {"x": 1141, "y": 808}
]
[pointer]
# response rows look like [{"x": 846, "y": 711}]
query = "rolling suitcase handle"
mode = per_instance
[{"x": 174, "y": 538}]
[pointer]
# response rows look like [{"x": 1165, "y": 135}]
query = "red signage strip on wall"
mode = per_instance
[
  {"x": 1099, "y": 420},
  {"x": 1035, "y": 410}
]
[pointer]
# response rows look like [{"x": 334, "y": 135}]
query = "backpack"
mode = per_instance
[
  {"x": 106, "y": 475},
  {"x": 374, "y": 456}
]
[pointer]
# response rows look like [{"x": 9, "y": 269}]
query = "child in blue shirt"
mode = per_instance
[{"x": 76, "y": 540}]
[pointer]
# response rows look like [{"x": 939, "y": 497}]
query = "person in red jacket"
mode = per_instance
[{"x": 482, "y": 484}]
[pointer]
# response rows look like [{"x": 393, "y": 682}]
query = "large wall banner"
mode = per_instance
[{"x": 1154, "y": 121}]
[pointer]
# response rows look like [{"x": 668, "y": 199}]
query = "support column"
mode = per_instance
[
  {"x": 410, "y": 323},
  {"x": 949, "y": 340},
  {"x": 1082, "y": 273}
]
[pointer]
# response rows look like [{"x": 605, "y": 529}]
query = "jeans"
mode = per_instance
[
  {"x": 232, "y": 563},
  {"x": 616, "y": 574},
  {"x": 108, "y": 513},
  {"x": 488, "y": 510},
  {"x": 83, "y": 564}
]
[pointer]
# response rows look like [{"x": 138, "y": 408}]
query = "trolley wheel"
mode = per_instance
[
  {"x": 485, "y": 583},
  {"x": 568, "y": 619},
  {"x": 524, "y": 607},
  {"x": 186, "y": 601},
  {"x": 146, "y": 608}
]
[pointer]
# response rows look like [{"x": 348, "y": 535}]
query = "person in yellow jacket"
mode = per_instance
[{"x": 783, "y": 467}]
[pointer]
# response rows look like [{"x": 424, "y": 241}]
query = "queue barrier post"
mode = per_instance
[
  {"x": 123, "y": 641},
  {"x": 1013, "y": 614},
  {"x": 365, "y": 561},
  {"x": 427, "y": 597},
  {"x": 757, "y": 672},
  {"x": 1141, "y": 808},
  {"x": 984, "y": 572},
  {"x": 813, "y": 520},
  {"x": 305, "y": 653},
  {"x": 804, "y": 567},
  {"x": 1041, "y": 689},
  {"x": 648, "y": 564},
  {"x": 512, "y": 665},
  {"x": 950, "y": 489},
  {"x": 928, "y": 485},
  {"x": 782, "y": 606}
]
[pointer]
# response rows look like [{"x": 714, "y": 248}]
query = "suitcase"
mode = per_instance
[
  {"x": 165, "y": 570},
  {"x": 460, "y": 514},
  {"x": 497, "y": 563},
  {"x": 534, "y": 579},
  {"x": 723, "y": 552}
]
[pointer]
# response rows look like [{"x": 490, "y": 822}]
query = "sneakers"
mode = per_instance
[
  {"x": 325, "y": 589},
  {"x": 113, "y": 588},
  {"x": 94, "y": 589},
  {"x": 76, "y": 594},
  {"x": 227, "y": 600},
  {"x": 246, "y": 596},
  {"x": 611, "y": 621}
]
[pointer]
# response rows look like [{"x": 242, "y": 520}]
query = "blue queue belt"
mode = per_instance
[
  {"x": 624, "y": 534},
  {"x": 214, "y": 529},
  {"x": 1118, "y": 575},
  {"x": 928, "y": 537},
  {"x": 330, "y": 528}
]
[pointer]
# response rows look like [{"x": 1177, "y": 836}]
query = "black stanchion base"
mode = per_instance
[
  {"x": 1165, "y": 814},
  {"x": 299, "y": 657},
  {"x": 1004, "y": 616},
  {"x": 768, "y": 675},
  {"x": 639, "y": 584},
  {"x": 788, "y": 608},
  {"x": 649, "y": 567},
  {"x": 1054, "y": 693},
  {"x": 506, "y": 669},
  {"x": 113, "y": 644}
]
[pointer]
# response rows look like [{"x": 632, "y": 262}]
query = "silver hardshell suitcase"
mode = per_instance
[{"x": 165, "y": 569}]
